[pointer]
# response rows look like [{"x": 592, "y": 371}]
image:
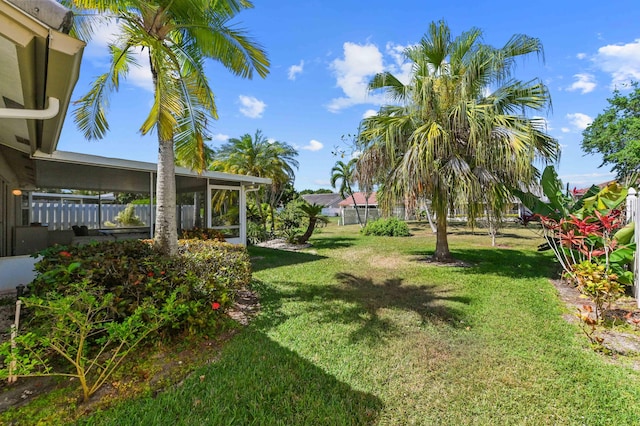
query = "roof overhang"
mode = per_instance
[
  {"x": 39, "y": 65},
  {"x": 70, "y": 170}
]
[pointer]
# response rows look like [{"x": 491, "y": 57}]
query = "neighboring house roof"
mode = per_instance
[
  {"x": 360, "y": 200},
  {"x": 579, "y": 192},
  {"x": 325, "y": 200}
]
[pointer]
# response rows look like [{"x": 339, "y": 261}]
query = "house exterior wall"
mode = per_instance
[
  {"x": 331, "y": 211},
  {"x": 9, "y": 207},
  {"x": 348, "y": 215}
]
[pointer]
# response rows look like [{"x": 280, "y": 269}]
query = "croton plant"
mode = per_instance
[{"x": 588, "y": 234}]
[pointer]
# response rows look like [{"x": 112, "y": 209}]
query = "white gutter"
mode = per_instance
[{"x": 33, "y": 114}]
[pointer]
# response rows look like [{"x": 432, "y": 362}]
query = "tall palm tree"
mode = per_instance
[
  {"x": 457, "y": 132},
  {"x": 261, "y": 157},
  {"x": 176, "y": 37},
  {"x": 345, "y": 173}
]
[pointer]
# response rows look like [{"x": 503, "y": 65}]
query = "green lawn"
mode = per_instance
[{"x": 360, "y": 330}]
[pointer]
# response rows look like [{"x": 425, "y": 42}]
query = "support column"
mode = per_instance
[
  {"x": 243, "y": 215},
  {"x": 207, "y": 205}
]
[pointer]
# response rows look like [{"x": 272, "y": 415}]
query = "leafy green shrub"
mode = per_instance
[
  {"x": 203, "y": 277},
  {"x": 202, "y": 234},
  {"x": 598, "y": 283},
  {"x": 127, "y": 217},
  {"x": 216, "y": 269},
  {"x": 291, "y": 216},
  {"x": 389, "y": 227},
  {"x": 256, "y": 233}
]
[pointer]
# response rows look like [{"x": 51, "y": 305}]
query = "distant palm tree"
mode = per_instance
[
  {"x": 456, "y": 133},
  {"x": 177, "y": 37},
  {"x": 345, "y": 173},
  {"x": 261, "y": 157}
]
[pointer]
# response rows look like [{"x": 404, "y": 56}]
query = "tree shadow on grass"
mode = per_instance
[
  {"x": 365, "y": 303},
  {"x": 322, "y": 242},
  {"x": 255, "y": 381},
  {"x": 502, "y": 262},
  {"x": 265, "y": 258}
]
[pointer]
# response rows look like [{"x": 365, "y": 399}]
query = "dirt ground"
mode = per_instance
[{"x": 623, "y": 310}]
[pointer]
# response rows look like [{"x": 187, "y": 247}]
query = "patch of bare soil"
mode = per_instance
[
  {"x": 451, "y": 262},
  {"x": 621, "y": 311},
  {"x": 169, "y": 369},
  {"x": 282, "y": 244}
]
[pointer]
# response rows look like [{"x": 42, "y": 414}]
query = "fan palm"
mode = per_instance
[
  {"x": 176, "y": 36},
  {"x": 261, "y": 157},
  {"x": 457, "y": 132}
]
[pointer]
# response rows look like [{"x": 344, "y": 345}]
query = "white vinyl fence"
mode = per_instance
[
  {"x": 60, "y": 216},
  {"x": 633, "y": 211}
]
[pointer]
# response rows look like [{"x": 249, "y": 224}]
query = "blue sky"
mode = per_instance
[{"x": 323, "y": 53}]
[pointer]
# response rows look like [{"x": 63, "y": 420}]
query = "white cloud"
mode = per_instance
[
  {"x": 581, "y": 55},
  {"x": 141, "y": 75},
  {"x": 565, "y": 130},
  {"x": 251, "y": 107},
  {"x": 313, "y": 145},
  {"x": 322, "y": 182},
  {"x": 107, "y": 31},
  {"x": 369, "y": 113},
  {"x": 585, "y": 83},
  {"x": 353, "y": 72},
  {"x": 220, "y": 137},
  {"x": 97, "y": 52},
  {"x": 622, "y": 61},
  {"x": 359, "y": 64},
  {"x": 579, "y": 120},
  {"x": 400, "y": 68},
  {"x": 294, "y": 70}
]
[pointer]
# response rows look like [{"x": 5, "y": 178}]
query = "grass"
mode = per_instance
[{"x": 361, "y": 330}]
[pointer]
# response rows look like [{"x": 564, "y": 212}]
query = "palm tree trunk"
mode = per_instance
[
  {"x": 307, "y": 234},
  {"x": 355, "y": 206},
  {"x": 166, "y": 231},
  {"x": 442, "y": 244},
  {"x": 366, "y": 209},
  {"x": 273, "y": 219},
  {"x": 433, "y": 227}
]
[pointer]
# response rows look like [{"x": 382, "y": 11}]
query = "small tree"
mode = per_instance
[
  {"x": 78, "y": 328},
  {"x": 313, "y": 212},
  {"x": 615, "y": 133},
  {"x": 345, "y": 174}
]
